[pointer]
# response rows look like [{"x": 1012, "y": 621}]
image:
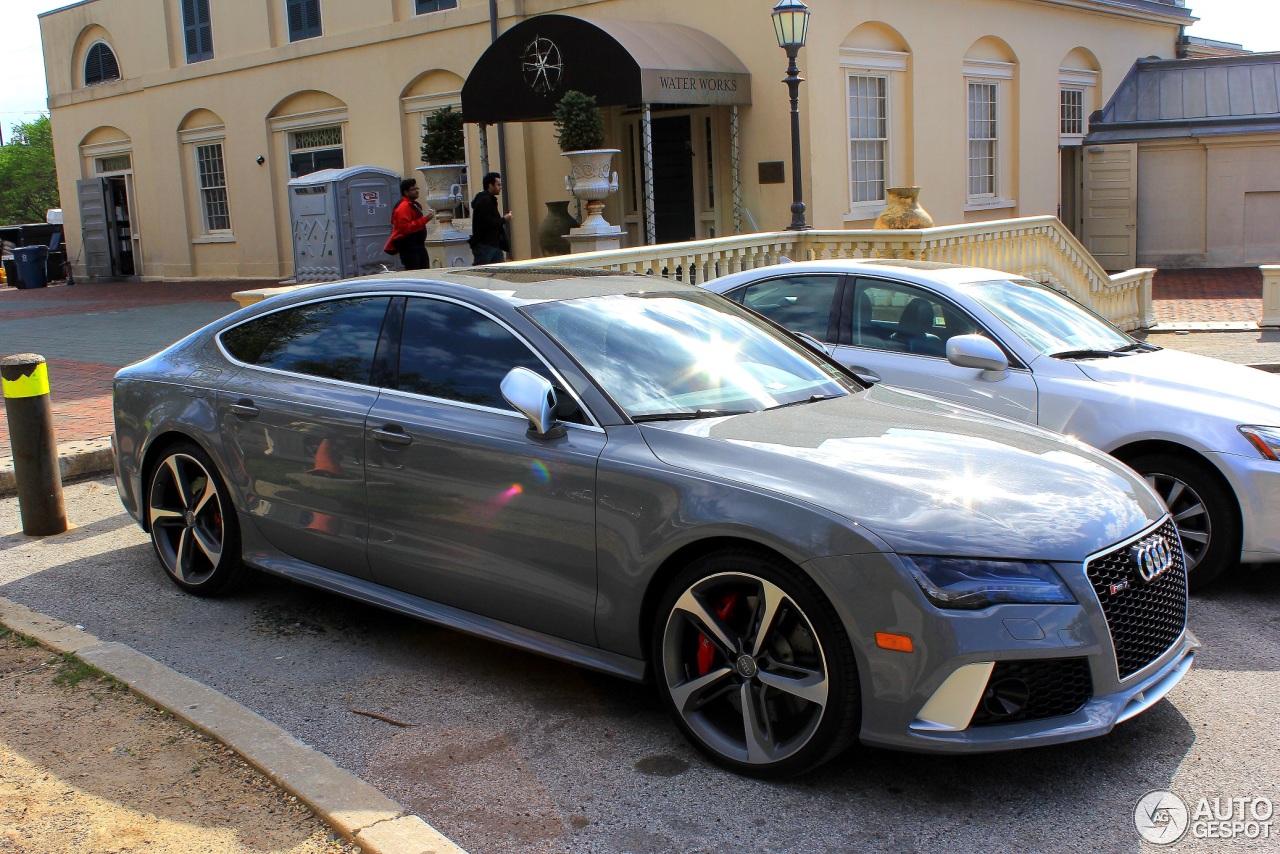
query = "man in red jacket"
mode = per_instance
[{"x": 409, "y": 228}]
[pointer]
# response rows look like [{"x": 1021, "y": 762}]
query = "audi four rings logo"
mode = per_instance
[{"x": 1153, "y": 557}]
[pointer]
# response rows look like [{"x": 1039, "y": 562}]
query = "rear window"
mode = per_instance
[{"x": 335, "y": 339}]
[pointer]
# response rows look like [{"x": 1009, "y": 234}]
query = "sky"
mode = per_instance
[{"x": 1253, "y": 23}]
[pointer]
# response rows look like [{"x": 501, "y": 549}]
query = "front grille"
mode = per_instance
[
  {"x": 1033, "y": 690},
  {"x": 1144, "y": 617}
]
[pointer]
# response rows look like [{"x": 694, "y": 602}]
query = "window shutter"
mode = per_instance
[
  {"x": 313, "y": 17},
  {"x": 100, "y": 65},
  {"x": 205, "y": 29},
  {"x": 304, "y": 19}
]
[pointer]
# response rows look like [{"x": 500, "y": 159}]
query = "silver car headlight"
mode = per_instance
[
  {"x": 969, "y": 584},
  {"x": 1265, "y": 439}
]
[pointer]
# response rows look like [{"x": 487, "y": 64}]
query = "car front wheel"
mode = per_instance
[
  {"x": 754, "y": 665},
  {"x": 193, "y": 523},
  {"x": 1204, "y": 510}
]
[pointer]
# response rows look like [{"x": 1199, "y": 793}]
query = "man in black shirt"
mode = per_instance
[{"x": 488, "y": 227}]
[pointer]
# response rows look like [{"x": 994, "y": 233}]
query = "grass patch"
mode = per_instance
[{"x": 72, "y": 671}]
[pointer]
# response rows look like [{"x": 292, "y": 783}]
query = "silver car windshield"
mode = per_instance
[
  {"x": 1049, "y": 321},
  {"x": 686, "y": 355}
]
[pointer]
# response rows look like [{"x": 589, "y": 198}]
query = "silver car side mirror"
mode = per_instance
[
  {"x": 977, "y": 351},
  {"x": 535, "y": 398}
]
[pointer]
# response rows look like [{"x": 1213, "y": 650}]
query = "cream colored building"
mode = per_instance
[{"x": 178, "y": 123}]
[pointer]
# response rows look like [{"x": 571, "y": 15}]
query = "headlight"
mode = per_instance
[
  {"x": 969, "y": 584},
  {"x": 1265, "y": 439}
]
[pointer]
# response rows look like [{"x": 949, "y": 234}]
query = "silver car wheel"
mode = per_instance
[
  {"x": 186, "y": 518},
  {"x": 1190, "y": 516},
  {"x": 744, "y": 668}
]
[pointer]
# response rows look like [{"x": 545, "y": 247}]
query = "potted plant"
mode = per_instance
[
  {"x": 444, "y": 153},
  {"x": 580, "y": 132}
]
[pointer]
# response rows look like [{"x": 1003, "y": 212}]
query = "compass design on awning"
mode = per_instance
[{"x": 542, "y": 65}]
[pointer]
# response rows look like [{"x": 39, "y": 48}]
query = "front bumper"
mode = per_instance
[{"x": 873, "y": 594}]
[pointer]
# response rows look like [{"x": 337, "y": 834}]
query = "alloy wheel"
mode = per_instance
[
  {"x": 186, "y": 517},
  {"x": 744, "y": 668},
  {"x": 1190, "y": 516}
]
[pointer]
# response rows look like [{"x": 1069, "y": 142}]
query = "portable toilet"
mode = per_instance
[{"x": 341, "y": 219}]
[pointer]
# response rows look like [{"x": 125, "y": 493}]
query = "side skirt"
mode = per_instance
[{"x": 581, "y": 655}]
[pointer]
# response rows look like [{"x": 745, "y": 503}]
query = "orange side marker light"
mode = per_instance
[{"x": 897, "y": 643}]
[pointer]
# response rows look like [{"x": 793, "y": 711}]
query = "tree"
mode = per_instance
[{"x": 28, "y": 178}]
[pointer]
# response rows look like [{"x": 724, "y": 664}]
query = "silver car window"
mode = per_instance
[
  {"x": 673, "y": 353},
  {"x": 1047, "y": 320}
]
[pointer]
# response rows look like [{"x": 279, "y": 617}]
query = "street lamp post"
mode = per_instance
[{"x": 791, "y": 25}]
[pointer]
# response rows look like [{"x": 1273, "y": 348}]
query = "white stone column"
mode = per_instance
[{"x": 1270, "y": 295}]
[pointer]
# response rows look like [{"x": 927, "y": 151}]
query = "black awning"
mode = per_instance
[{"x": 526, "y": 71}]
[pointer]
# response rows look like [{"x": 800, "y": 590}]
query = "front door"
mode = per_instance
[
  {"x": 675, "y": 214},
  {"x": 466, "y": 508}
]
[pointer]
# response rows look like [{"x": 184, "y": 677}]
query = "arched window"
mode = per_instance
[{"x": 100, "y": 65}]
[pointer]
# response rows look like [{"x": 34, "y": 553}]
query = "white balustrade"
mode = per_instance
[{"x": 1039, "y": 248}]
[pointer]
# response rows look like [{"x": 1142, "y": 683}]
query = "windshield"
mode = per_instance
[
  {"x": 1046, "y": 319},
  {"x": 688, "y": 354}
]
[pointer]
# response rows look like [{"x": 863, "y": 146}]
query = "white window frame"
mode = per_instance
[
  {"x": 1084, "y": 82},
  {"x": 209, "y": 194},
  {"x": 194, "y": 139},
  {"x": 887, "y": 65},
  {"x": 419, "y": 108},
  {"x": 998, "y": 75}
]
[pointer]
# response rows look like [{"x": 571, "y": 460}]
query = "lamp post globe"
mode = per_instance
[{"x": 791, "y": 26}]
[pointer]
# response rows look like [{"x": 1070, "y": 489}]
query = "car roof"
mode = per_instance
[
  {"x": 524, "y": 285},
  {"x": 904, "y": 268}
]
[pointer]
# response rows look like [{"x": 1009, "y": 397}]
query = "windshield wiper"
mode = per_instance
[
  {"x": 1137, "y": 345},
  {"x": 1087, "y": 354},
  {"x": 689, "y": 416},
  {"x": 813, "y": 398}
]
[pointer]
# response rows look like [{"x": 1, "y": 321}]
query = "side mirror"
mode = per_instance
[
  {"x": 977, "y": 351},
  {"x": 535, "y": 398}
]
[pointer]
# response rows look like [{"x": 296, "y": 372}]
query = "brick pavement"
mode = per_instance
[{"x": 88, "y": 331}]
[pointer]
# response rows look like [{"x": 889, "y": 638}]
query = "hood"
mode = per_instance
[
  {"x": 1204, "y": 385},
  {"x": 925, "y": 476}
]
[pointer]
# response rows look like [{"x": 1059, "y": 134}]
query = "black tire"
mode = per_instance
[
  {"x": 802, "y": 646},
  {"x": 1204, "y": 509},
  {"x": 193, "y": 523}
]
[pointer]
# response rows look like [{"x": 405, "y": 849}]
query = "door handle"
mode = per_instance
[
  {"x": 865, "y": 374},
  {"x": 392, "y": 435},
  {"x": 245, "y": 409}
]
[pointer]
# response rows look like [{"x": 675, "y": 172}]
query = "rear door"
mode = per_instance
[
  {"x": 898, "y": 333},
  {"x": 466, "y": 508},
  {"x": 809, "y": 303},
  {"x": 293, "y": 426}
]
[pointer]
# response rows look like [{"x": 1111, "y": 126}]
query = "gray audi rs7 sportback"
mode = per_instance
[{"x": 647, "y": 479}]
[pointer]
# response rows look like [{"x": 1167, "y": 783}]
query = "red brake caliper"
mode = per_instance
[{"x": 706, "y": 649}]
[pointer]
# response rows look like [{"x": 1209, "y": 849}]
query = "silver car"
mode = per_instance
[
  {"x": 1204, "y": 433},
  {"x": 643, "y": 478}
]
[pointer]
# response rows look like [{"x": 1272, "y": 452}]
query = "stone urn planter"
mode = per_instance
[
  {"x": 591, "y": 180},
  {"x": 443, "y": 190},
  {"x": 554, "y": 227},
  {"x": 903, "y": 210}
]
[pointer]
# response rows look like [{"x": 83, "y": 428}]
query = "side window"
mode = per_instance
[
  {"x": 455, "y": 353},
  {"x": 335, "y": 339},
  {"x": 901, "y": 318},
  {"x": 800, "y": 303}
]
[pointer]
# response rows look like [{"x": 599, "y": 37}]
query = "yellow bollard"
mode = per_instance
[{"x": 25, "y": 379}]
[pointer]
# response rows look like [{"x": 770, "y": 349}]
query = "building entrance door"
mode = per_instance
[
  {"x": 108, "y": 235},
  {"x": 675, "y": 216}
]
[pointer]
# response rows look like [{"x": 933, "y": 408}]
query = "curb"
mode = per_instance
[
  {"x": 348, "y": 804},
  {"x": 75, "y": 460}
]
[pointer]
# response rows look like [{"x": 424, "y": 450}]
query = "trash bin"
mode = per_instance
[
  {"x": 11, "y": 273},
  {"x": 30, "y": 261}
]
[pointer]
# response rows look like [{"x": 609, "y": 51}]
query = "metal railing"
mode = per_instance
[{"x": 1040, "y": 248}]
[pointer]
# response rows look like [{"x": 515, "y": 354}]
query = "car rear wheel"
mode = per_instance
[
  {"x": 193, "y": 523},
  {"x": 754, "y": 665},
  {"x": 1204, "y": 511}
]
